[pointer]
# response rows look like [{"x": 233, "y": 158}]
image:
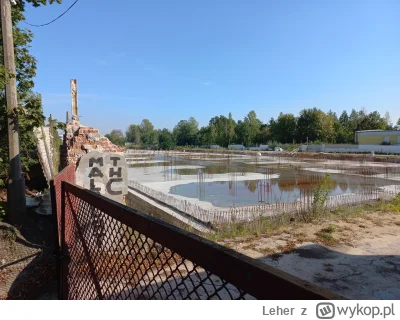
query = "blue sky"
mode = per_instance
[{"x": 169, "y": 60}]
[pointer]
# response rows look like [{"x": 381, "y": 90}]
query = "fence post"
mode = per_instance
[
  {"x": 64, "y": 254},
  {"x": 56, "y": 236}
]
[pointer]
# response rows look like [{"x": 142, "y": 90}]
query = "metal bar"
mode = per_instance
[
  {"x": 56, "y": 234},
  {"x": 85, "y": 249},
  {"x": 247, "y": 274},
  {"x": 64, "y": 262}
]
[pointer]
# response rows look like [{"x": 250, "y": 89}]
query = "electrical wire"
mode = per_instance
[{"x": 46, "y": 24}]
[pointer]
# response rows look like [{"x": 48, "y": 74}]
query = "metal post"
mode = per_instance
[{"x": 16, "y": 183}]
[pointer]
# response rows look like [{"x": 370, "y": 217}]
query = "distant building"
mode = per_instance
[{"x": 378, "y": 137}]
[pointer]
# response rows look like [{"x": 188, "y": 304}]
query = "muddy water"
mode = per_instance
[
  {"x": 289, "y": 187},
  {"x": 292, "y": 184}
]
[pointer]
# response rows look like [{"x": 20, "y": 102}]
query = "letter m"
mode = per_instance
[{"x": 93, "y": 160}]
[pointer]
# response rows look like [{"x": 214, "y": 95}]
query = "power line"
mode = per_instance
[{"x": 46, "y": 24}]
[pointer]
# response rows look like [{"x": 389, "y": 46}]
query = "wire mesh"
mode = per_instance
[{"x": 115, "y": 252}]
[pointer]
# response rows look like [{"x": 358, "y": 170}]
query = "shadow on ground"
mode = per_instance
[
  {"x": 349, "y": 275},
  {"x": 27, "y": 261}
]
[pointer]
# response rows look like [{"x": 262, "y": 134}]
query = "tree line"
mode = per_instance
[{"x": 310, "y": 125}]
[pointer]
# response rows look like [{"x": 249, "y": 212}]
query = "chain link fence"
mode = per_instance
[{"x": 110, "y": 251}]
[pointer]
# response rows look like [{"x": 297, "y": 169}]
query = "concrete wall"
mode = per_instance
[
  {"x": 392, "y": 149},
  {"x": 45, "y": 151},
  {"x": 315, "y": 148},
  {"x": 262, "y": 147},
  {"x": 141, "y": 205},
  {"x": 236, "y": 147}
]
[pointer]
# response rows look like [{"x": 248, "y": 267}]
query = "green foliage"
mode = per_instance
[
  {"x": 329, "y": 229},
  {"x": 2, "y": 213},
  {"x": 313, "y": 125},
  {"x": 166, "y": 140},
  {"x": 320, "y": 196},
  {"x": 326, "y": 237},
  {"x": 394, "y": 205},
  {"x": 29, "y": 110},
  {"x": 133, "y": 134},
  {"x": 186, "y": 132},
  {"x": 284, "y": 128},
  {"x": 147, "y": 133},
  {"x": 117, "y": 137}
]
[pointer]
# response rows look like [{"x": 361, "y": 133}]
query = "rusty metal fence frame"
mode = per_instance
[
  {"x": 67, "y": 174},
  {"x": 142, "y": 257}
]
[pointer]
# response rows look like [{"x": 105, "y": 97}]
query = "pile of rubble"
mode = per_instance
[{"x": 80, "y": 139}]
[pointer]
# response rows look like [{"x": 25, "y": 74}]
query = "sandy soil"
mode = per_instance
[{"x": 358, "y": 258}]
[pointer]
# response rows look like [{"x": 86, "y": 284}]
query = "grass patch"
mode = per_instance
[
  {"x": 329, "y": 229},
  {"x": 10, "y": 234},
  {"x": 276, "y": 225},
  {"x": 326, "y": 238}
]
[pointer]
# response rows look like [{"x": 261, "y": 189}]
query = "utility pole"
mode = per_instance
[{"x": 16, "y": 183}]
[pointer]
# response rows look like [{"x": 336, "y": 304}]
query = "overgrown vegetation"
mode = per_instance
[
  {"x": 268, "y": 226},
  {"x": 320, "y": 196}
]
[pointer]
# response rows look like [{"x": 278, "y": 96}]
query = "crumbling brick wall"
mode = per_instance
[{"x": 79, "y": 140}]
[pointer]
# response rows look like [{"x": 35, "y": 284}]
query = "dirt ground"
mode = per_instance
[
  {"x": 357, "y": 257},
  {"x": 27, "y": 261}
]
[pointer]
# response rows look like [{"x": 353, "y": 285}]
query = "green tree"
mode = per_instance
[
  {"x": 284, "y": 128},
  {"x": 133, "y": 134},
  {"x": 231, "y": 128},
  {"x": 344, "y": 132},
  {"x": 186, "y": 132},
  {"x": 371, "y": 121},
  {"x": 148, "y": 134},
  {"x": 314, "y": 125},
  {"x": 222, "y": 129},
  {"x": 116, "y": 136},
  {"x": 388, "y": 120},
  {"x": 29, "y": 103},
  {"x": 263, "y": 135},
  {"x": 248, "y": 129},
  {"x": 166, "y": 140},
  {"x": 205, "y": 136}
]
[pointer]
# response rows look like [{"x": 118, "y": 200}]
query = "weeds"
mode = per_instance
[
  {"x": 10, "y": 234},
  {"x": 329, "y": 229},
  {"x": 325, "y": 235},
  {"x": 393, "y": 205},
  {"x": 320, "y": 196},
  {"x": 2, "y": 213},
  {"x": 274, "y": 225}
]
